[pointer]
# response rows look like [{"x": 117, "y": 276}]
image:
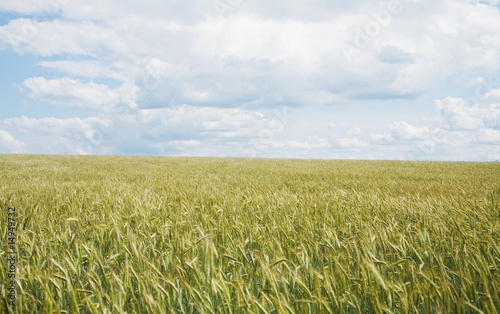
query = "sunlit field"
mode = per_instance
[{"x": 206, "y": 235}]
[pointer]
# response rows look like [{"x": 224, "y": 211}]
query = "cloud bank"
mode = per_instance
[{"x": 212, "y": 78}]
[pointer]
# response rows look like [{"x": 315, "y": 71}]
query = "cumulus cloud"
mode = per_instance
[
  {"x": 493, "y": 95},
  {"x": 188, "y": 122},
  {"x": 186, "y": 80},
  {"x": 393, "y": 54},
  {"x": 63, "y": 136},
  {"x": 149, "y": 129},
  {"x": 83, "y": 68},
  {"x": 456, "y": 114},
  {"x": 313, "y": 142},
  {"x": 458, "y": 127},
  {"x": 69, "y": 126},
  {"x": 57, "y": 37},
  {"x": 351, "y": 142},
  {"x": 76, "y": 94},
  {"x": 489, "y": 136},
  {"x": 8, "y": 144},
  {"x": 296, "y": 144},
  {"x": 255, "y": 57}
]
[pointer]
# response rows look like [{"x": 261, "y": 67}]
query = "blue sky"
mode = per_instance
[{"x": 396, "y": 79}]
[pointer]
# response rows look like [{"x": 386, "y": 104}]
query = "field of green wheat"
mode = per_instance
[{"x": 206, "y": 235}]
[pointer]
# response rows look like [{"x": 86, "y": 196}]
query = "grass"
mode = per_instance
[{"x": 206, "y": 235}]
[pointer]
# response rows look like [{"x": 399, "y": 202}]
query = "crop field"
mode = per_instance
[{"x": 207, "y": 235}]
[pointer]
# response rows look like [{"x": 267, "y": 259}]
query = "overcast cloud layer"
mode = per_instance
[{"x": 396, "y": 79}]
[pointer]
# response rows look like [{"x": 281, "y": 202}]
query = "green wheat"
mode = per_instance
[{"x": 206, "y": 235}]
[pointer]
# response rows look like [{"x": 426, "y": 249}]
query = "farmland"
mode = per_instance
[{"x": 207, "y": 235}]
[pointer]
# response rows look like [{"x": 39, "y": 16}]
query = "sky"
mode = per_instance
[{"x": 317, "y": 79}]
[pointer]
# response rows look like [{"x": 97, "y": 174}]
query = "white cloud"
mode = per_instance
[
  {"x": 48, "y": 38},
  {"x": 247, "y": 59},
  {"x": 489, "y": 136},
  {"x": 9, "y": 144},
  {"x": 299, "y": 145},
  {"x": 146, "y": 129},
  {"x": 402, "y": 131},
  {"x": 456, "y": 114},
  {"x": 313, "y": 142},
  {"x": 191, "y": 82},
  {"x": 493, "y": 95},
  {"x": 23, "y": 7},
  {"x": 354, "y": 131},
  {"x": 84, "y": 68},
  {"x": 352, "y": 142},
  {"x": 451, "y": 135},
  {"x": 393, "y": 54},
  {"x": 53, "y": 125},
  {"x": 63, "y": 136},
  {"x": 188, "y": 122},
  {"x": 73, "y": 93}
]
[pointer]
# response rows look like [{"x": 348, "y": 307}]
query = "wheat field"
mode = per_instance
[{"x": 207, "y": 235}]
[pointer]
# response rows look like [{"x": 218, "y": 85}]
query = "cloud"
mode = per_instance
[
  {"x": 354, "y": 131},
  {"x": 84, "y": 68},
  {"x": 188, "y": 122},
  {"x": 393, "y": 54},
  {"x": 160, "y": 77},
  {"x": 22, "y": 7},
  {"x": 255, "y": 57},
  {"x": 149, "y": 130},
  {"x": 493, "y": 95},
  {"x": 489, "y": 136},
  {"x": 450, "y": 135},
  {"x": 300, "y": 145},
  {"x": 56, "y": 126},
  {"x": 63, "y": 136},
  {"x": 402, "y": 131},
  {"x": 313, "y": 142},
  {"x": 457, "y": 115},
  {"x": 9, "y": 144},
  {"x": 76, "y": 94},
  {"x": 58, "y": 37},
  {"x": 351, "y": 142}
]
